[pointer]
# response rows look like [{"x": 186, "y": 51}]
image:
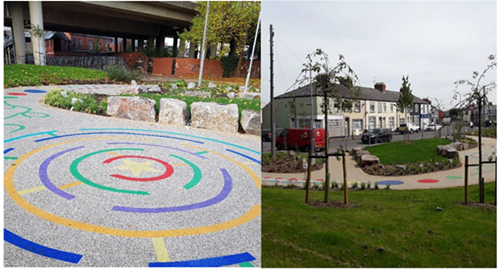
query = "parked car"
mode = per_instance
[
  {"x": 408, "y": 127},
  {"x": 266, "y": 135},
  {"x": 377, "y": 135},
  {"x": 489, "y": 123},
  {"x": 299, "y": 139},
  {"x": 434, "y": 127}
]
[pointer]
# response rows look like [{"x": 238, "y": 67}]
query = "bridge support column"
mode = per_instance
[
  {"x": 176, "y": 48},
  {"x": 36, "y": 18},
  {"x": 18, "y": 31},
  {"x": 124, "y": 45},
  {"x": 160, "y": 42},
  {"x": 115, "y": 43},
  {"x": 140, "y": 45}
]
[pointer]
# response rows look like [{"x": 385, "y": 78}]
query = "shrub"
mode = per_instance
[
  {"x": 369, "y": 184},
  {"x": 363, "y": 186},
  {"x": 324, "y": 185},
  {"x": 376, "y": 185},
  {"x": 335, "y": 184},
  {"x": 104, "y": 106},
  {"x": 121, "y": 73},
  {"x": 229, "y": 63},
  {"x": 355, "y": 185},
  {"x": 341, "y": 185},
  {"x": 388, "y": 186}
]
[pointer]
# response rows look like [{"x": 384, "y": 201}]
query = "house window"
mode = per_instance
[
  {"x": 333, "y": 123},
  {"x": 391, "y": 122},
  {"x": 79, "y": 43},
  {"x": 357, "y": 106},
  {"x": 392, "y": 107},
  {"x": 90, "y": 44},
  {"x": 401, "y": 121},
  {"x": 371, "y": 123},
  {"x": 357, "y": 124},
  {"x": 416, "y": 108},
  {"x": 372, "y": 107},
  {"x": 380, "y": 107},
  {"x": 385, "y": 107}
]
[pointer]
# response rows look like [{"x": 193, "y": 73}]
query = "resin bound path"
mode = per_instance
[
  {"x": 86, "y": 190},
  {"x": 441, "y": 179}
]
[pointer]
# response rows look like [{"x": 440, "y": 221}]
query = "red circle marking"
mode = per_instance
[
  {"x": 428, "y": 181},
  {"x": 267, "y": 177},
  {"x": 319, "y": 180},
  {"x": 293, "y": 179},
  {"x": 169, "y": 170},
  {"x": 279, "y": 178},
  {"x": 16, "y": 94}
]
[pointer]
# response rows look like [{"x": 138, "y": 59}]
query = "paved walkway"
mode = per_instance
[
  {"x": 87, "y": 190},
  {"x": 441, "y": 179}
]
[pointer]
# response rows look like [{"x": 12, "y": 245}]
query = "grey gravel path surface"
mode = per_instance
[{"x": 220, "y": 220}]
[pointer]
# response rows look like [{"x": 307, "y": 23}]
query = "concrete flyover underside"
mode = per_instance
[{"x": 124, "y": 19}]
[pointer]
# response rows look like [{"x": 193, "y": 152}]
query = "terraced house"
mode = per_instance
[{"x": 374, "y": 108}]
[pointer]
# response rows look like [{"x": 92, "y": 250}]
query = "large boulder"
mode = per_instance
[
  {"x": 250, "y": 122},
  {"x": 248, "y": 95},
  {"x": 153, "y": 89},
  {"x": 173, "y": 112},
  {"x": 131, "y": 90},
  {"x": 210, "y": 115},
  {"x": 197, "y": 94},
  {"x": 361, "y": 153},
  {"x": 133, "y": 108},
  {"x": 367, "y": 160},
  {"x": 191, "y": 85},
  {"x": 451, "y": 153},
  {"x": 441, "y": 149}
]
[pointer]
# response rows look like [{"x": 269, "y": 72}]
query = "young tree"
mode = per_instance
[
  {"x": 229, "y": 22},
  {"x": 405, "y": 102},
  {"x": 328, "y": 81},
  {"x": 478, "y": 93}
]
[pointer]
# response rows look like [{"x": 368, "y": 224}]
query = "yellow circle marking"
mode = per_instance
[{"x": 11, "y": 190}]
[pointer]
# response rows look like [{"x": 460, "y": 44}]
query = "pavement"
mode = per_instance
[
  {"x": 93, "y": 191},
  {"x": 440, "y": 179}
]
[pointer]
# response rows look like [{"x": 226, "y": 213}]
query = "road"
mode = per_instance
[
  {"x": 92, "y": 191},
  {"x": 349, "y": 143}
]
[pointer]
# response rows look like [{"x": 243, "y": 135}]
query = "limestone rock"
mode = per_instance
[
  {"x": 134, "y": 83},
  {"x": 362, "y": 153},
  {"x": 441, "y": 149},
  {"x": 154, "y": 89},
  {"x": 401, "y": 167},
  {"x": 173, "y": 112},
  {"x": 133, "y": 108},
  {"x": 229, "y": 88},
  {"x": 75, "y": 100},
  {"x": 130, "y": 90},
  {"x": 64, "y": 94},
  {"x": 230, "y": 95},
  {"x": 451, "y": 153},
  {"x": 248, "y": 95},
  {"x": 210, "y": 115},
  {"x": 211, "y": 85},
  {"x": 241, "y": 88},
  {"x": 174, "y": 86},
  {"x": 368, "y": 160},
  {"x": 197, "y": 94},
  {"x": 250, "y": 122},
  {"x": 191, "y": 85}
]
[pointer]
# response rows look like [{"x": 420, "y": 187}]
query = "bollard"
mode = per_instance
[{"x": 466, "y": 183}]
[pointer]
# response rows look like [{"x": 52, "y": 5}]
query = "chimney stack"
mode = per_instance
[
  {"x": 428, "y": 101},
  {"x": 380, "y": 86}
]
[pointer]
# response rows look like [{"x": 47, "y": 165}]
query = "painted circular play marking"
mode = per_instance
[
  {"x": 454, "y": 177},
  {"x": 214, "y": 173},
  {"x": 35, "y": 91},
  {"x": 390, "y": 182},
  {"x": 16, "y": 94},
  {"x": 428, "y": 181}
]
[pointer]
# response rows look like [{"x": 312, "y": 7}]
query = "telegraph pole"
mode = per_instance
[
  {"x": 273, "y": 129},
  {"x": 203, "y": 45}
]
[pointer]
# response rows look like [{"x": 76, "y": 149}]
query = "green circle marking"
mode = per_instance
[
  {"x": 74, "y": 170},
  {"x": 454, "y": 177}
]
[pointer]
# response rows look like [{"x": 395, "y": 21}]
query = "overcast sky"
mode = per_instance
[{"x": 435, "y": 43}]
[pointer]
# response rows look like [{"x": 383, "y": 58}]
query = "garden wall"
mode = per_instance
[{"x": 191, "y": 66}]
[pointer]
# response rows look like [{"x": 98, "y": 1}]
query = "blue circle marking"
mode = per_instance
[
  {"x": 35, "y": 91},
  {"x": 390, "y": 182}
]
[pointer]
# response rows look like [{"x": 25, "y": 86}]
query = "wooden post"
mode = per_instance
[
  {"x": 308, "y": 181},
  {"x": 466, "y": 184},
  {"x": 346, "y": 201}
]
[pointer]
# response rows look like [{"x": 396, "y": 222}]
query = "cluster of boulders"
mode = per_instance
[
  {"x": 135, "y": 89},
  {"x": 451, "y": 150},
  {"x": 208, "y": 115},
  {"x": 231, "y": 93},
  {"x": 365, "y": 158}
]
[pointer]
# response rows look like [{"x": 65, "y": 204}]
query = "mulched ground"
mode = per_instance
[
  {"x": 288, "y": 165},
  {"x": 490, "y": 206}
]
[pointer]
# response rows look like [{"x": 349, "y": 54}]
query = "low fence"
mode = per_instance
[{"x": 98, "y": 62}]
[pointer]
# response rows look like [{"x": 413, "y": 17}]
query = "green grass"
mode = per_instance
[
  {"x": 243, "y": 104},
  {"x": 485, "y": 132},
  {"x": 298, "y": 235},
  {"x": 400, "y": 153},
  {"x": 30, "y": 75}
]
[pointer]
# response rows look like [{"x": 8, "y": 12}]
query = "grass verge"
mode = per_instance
[
  {"x": 415, "y": 152},
  {"x": 31, "y": 75},
  {"x": 385, "y": 228}
]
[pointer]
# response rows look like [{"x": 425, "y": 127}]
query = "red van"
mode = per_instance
[{"x": 298, "y": 138}]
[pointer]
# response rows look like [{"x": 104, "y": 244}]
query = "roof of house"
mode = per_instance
[
  {"x": 366, "y": 93},
  {"x": 53, "y": 34}
]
